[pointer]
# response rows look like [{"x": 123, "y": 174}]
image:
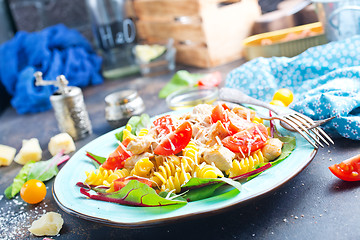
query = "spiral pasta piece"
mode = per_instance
[
  {"x": 143, "y": 132},
  {"x": 142, "y": 168},
  {"x": 190, "y": 157},
  {"x": 174, "y": 183},
  {"x": 167, "y": 169},
  {"x": 127, "y": 133},
  {"x": 247, "y": 164},
  {"x": 104, "y": 177},
  {"x": 207, "y": 171}
]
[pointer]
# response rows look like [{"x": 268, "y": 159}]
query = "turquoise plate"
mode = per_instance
[{"x": 69, "y": 198}]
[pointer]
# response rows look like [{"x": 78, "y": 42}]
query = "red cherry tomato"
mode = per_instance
[
  {"x": 210, "y": 80},
  {"x": 121, "y": 182},
  {"x": 33, "y": 191},
  {"x": 116, "y": 160},
  {"x": 164, "y": 125},
  {"x": 233, "y": 123},
  {"x": 176, "y": 141},
  {"x": 248, "y": 140},
  {"x": 348, "y": 170}
]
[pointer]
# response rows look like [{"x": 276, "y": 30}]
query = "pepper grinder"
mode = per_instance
[{"x": 69, "y": 107}]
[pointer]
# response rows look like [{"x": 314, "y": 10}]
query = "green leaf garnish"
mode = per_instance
[
  {"x": 181, "y": 79},
  {"x": 134, "y": 193},
  {"x": 95, "y": 159},
  {"x": 137, "y": 123},
  {"x": 18, "y": 181},
  {"x": 200, "y": 188}
]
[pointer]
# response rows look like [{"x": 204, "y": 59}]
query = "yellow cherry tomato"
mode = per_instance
[
  {"x": 278, "y": 103},
  {"x": 33, "y": 191},
  {"x": 284, "y": 95}
]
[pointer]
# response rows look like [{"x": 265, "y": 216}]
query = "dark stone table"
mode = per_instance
[{"x": 313, "y": 205}]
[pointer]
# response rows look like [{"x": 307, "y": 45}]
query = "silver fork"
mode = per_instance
[{"x": 293, "y": 120}]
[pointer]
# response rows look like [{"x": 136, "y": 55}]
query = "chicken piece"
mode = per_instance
[
  {"x": 220, "y": 156},
  {"x": 244, "y": 113},
  {"x": 217, "y": 130},
  {"x": 272, "y": 149},
  {"x": 201, "y": 113},
  {"x": 130, "y": 162},
  {"x": 140, "y": 144}
]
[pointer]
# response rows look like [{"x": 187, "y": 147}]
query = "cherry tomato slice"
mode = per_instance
[
  {"x": 348, "y": 170},
  {"x": 33, "y": 191},
  {"x": 176, "y": 141},
  {"x": 116, "y": 160},
  {"x": 210, "y": 80},
  {"x": 233, "y": 124},
  {"x": 164, "y": 125},
  {"x": 247, "y": 141},
  {"x": 121, "y": 182}
]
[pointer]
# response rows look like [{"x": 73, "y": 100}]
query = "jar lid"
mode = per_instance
[{"x": 121, "y": 97}]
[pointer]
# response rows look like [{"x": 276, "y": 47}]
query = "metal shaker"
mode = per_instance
[{"x": 69, "y": 107}]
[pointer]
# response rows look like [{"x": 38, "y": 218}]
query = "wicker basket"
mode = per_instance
[{"x": 207, "y": 33}]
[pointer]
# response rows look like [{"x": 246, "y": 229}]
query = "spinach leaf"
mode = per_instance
[
  {"x": 96, "y": 160},
  {"x": 288, "y": 147},
  {"x": 200, "y": 188},
  {"x": 45, "y": 170},
  {"x": 18, "y": 181},
  {"x": 134, "y": 193},
  {"x": 119, "y": 136},
  {"x": 181, "y": 79}
]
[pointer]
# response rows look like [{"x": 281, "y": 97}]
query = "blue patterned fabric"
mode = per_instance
[
  {"x": 54, "y": 51},
  {"x": 325, "y": 81}
]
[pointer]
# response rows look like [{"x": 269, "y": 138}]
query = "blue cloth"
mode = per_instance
[
  {"x": 54, "y": 51},
  {"x": 325, "y": 81}
]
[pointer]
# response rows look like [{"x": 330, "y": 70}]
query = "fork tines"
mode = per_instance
[{"x": 302, "y": 124}]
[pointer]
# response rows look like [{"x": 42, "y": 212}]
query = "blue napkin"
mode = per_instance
[
  {"x": 325, "y": 81},
  {"x": 54, "y": 51}
]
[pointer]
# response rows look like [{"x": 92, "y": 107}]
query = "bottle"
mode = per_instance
[{"x": 115, "y": 36}]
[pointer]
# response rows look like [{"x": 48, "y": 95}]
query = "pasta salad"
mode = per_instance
[{"x": 204, "y": 149}]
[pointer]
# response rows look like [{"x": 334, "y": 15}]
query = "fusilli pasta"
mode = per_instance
[{"x": 245, "y": 165}]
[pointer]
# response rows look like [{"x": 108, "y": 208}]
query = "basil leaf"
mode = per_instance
[
  {"x": 181, "y": 79},
  {"x": 18, "y": 181}
]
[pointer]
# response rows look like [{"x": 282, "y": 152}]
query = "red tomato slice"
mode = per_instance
[
  {"x": 121, "y": 182},
  {"x": 247, "y": 141},
  {"x": 164, "y": 125},
  {"x": 210, "y": 80},
  {"x": 176, "y": 141},
  {"x": 116, "y": 160},
  {"x": 233, "y": 124},
  {"x": 348, "y": 170},
  {"x": 218, "y": 114}
]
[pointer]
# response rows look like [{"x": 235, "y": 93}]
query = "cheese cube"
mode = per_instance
[
  {"x": 61, "y": 141},
  {"x": 30, "y": 151},
  {"x": 48, "y": 225},
  {"x": 7, "y": 155}
]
